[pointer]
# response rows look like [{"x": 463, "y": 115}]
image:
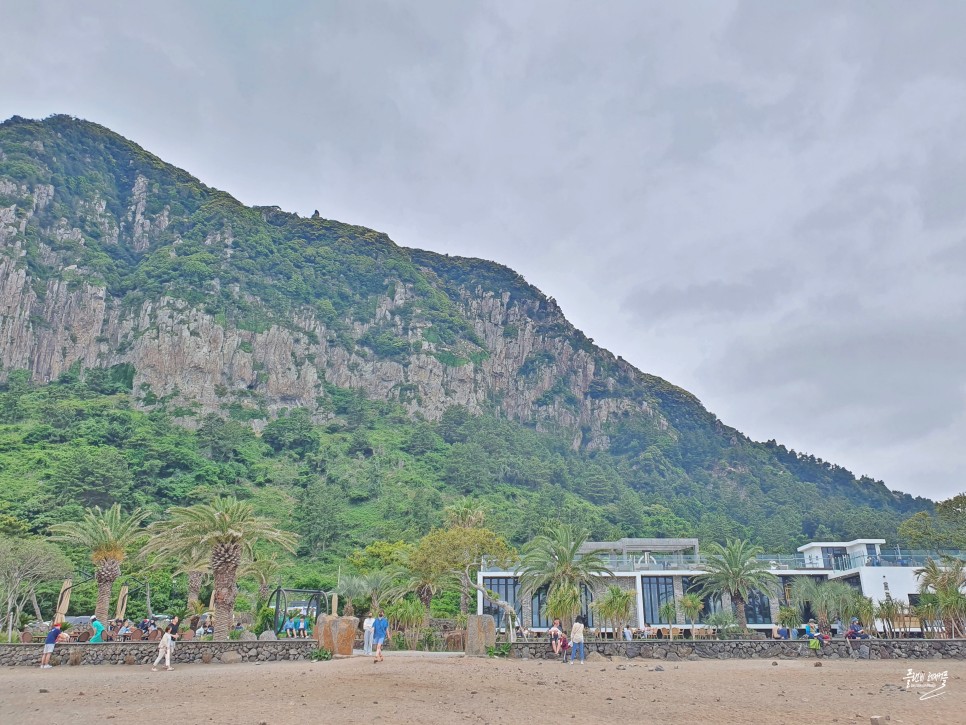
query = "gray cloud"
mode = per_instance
[{"x": 762, "y": 202}]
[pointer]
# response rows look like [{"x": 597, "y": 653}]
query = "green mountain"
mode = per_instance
[{"x": 160, "y": 342}]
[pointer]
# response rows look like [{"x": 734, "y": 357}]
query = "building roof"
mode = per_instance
[{"x": 844, "y": 544}]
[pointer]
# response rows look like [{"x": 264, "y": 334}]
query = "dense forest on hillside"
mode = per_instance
[{"x": 354, "y": 387}]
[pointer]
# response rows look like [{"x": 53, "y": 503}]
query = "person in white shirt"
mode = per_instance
[
  {"x": 164, "y": 650},
  {"x": 367, "y": 630},
  {"x": 577, "y": 638}
]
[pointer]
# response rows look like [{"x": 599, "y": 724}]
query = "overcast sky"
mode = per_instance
[{"x": 763, "y": 202}]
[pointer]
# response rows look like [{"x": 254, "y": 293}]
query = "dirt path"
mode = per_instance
[{"x": 451, "y": 690}]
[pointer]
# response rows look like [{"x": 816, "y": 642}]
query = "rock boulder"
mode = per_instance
[
  {"x": 336, "y": 634},
  {"x": 480, "y": 634}
]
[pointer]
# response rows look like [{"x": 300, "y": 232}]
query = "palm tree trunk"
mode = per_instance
[
  {"x": 108, "y": 570},
  {"x": 738, "y": 602},
  {"x": 103, "y": 600},
  {"x": 225, "y": 560}
]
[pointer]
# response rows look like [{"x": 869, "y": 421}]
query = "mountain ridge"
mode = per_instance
[{"x": 111, "y": 257}]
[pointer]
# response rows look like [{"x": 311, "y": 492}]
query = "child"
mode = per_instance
[
  {"x": 564, "y": 647},
  {"x": 164, "y": 650}
]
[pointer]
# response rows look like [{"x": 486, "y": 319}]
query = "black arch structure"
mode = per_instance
[{"x": 316, "y": 599}]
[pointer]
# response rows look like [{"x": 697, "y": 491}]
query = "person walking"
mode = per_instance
[
  {"x": 577, "y": 638},
  {"x": 367, "y": 634},
  {"x": 165, "y": 647},
  {"x": 380, "y": 629},
  {"x": 53, "y": 636}
]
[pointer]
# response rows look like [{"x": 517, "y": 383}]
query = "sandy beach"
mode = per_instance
[{"x": 427, "y": 689}]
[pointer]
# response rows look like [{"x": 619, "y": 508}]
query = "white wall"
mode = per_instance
[{"x": 902, "y": 582}]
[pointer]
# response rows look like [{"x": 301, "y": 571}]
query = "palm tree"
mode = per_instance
[
  {"x": 669, "y": 611},
  {"x": 351, "y": 586},
  {"x": 734, "y": 568},
  {"x": 196, "y": 564},
  {"x": 424, "y": 583},
  {"x": 108, "y": 535},
  {"x": 553, "y": 561},
  {"x": 562, "y": 603},
  {"x": 945, "y": 579},
  {"x": 464, "y": 514},
  {"x": 691, "y": 606},
  {"x": 377, "y": 584},
  {"x": 828, "y": 599},
  {"x": 264, "y": 570},
  {"x": 614, "y": 607},
  {"x": 228, "y": 530}
]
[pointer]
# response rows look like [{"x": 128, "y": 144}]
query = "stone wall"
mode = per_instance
[
  {"x": 143, "y": 653},
  {"x": 876, "y": 649}
]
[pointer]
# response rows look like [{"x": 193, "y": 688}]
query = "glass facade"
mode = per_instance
[
  {"x": 656, "y": 590},
  {"x": 834, "y": 557},
  {"x": 758, "y": 608},
  {"x": 506, "y": 588}
]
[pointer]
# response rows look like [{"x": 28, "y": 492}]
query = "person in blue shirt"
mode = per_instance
[
  {"x": 289, "y": 627},
  {"x": 856, "y": 631},
  {"x": 303, "y": 632},
  {"x": 380, "y": 630},
  {"x": 49, "y": 643}
]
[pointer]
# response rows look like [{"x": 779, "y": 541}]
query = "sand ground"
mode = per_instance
[{"x": 427, "y": 689}]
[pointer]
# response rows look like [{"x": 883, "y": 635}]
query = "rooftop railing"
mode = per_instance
[{"x": 776, "y": 562}]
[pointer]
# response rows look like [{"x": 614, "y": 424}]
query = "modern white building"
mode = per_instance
[{"x": 659, "y": 569}]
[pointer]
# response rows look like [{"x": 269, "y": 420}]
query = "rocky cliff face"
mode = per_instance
[{"x": 57, "y": 311}]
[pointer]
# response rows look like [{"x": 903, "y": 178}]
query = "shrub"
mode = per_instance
[{"x": 320, "y": 654}]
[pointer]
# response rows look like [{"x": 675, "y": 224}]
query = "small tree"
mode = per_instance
[
  {"x": 668, "y": 611},
  {"x": 691, "y": 606},
  {"x": 350, "y": 587},
  {"x": 789, "y": 618},
  {"x": 24, "y": 564},
  {"x": 614, "y": 607},
  {"x": 828, "y": 600},
  {"x": 563, "y": 603},
  {"x": 377, "y": 584}
]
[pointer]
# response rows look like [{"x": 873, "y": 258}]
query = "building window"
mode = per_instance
[
  {"x": 835, "y": 557},
  {"x": 758, "y": 608},
  {"x": 505, "y": 588},
  {"x": 656, "y": 590}
]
